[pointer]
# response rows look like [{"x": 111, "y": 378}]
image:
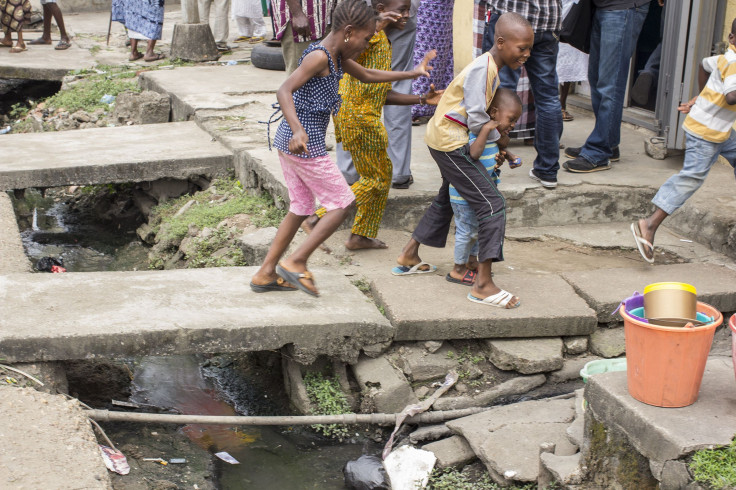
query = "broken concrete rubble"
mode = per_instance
[
  {"x": 450, "y": 452},
  {"x": 515, "y": 386},
  {"x": 383, "y": 384},
  {"x": 608, "y": 342},
  {"x": 527, "y": 356}
]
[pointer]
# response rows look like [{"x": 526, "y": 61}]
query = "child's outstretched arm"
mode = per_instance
[
  {"x": 430, "y": 98},
  {"x": 367, "y": 75},
  {"x": 703, "y": 75},
  {"x": 477, "y": 146},
  {"x": 314, "y": 64}
]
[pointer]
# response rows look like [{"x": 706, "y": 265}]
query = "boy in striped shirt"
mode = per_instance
[
  {"x": 504, "y": 110},
  {"x": 708, "y": 134}
]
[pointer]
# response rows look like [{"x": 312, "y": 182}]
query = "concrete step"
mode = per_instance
[
  {"x": 120, "y": 314},
  {"x": 43, "y": 62},
  {"x": 663, "y": 434},
  {"x": 211, "y": 87},
  {"x": 14, "y": 258},
  {"x": 110, "y": 155},
  {"x": 715, "y": 285}
]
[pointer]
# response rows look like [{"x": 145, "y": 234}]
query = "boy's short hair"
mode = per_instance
[
  {"x": 508, "y": 21},
  {"x": 504, "y": 98},
  {"x": 733, "y": 27}
]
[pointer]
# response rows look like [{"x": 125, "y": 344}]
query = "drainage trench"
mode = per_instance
[{"x": 58, "y": 223}]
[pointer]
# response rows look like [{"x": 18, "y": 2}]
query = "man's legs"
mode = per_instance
[
  {"x": 397, "y": 118},
  {"x": 51, "y": 9},
  {"x": 700, "y": 155},
  {"x": 291, "y": 50},
  {"x": 614, "y": 33},
  {"x": 221, "y": 30},
  {"x": 542, "y": 72}
]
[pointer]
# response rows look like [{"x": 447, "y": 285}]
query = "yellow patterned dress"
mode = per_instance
[
  {"x": 358, "y": 126},
  {"x": 13, "y": 13}
]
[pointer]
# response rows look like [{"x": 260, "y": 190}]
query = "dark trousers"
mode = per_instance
[
  {"x": 541, "y": 68},
  {"x": 474, "y": 183}
]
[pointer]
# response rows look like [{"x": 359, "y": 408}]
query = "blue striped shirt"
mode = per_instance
[{"x": 488, "y": 159}]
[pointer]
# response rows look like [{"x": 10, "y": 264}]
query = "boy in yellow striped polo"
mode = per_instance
[
  {"x": 708, "y": 134},
  {"x": 359, "y": 128}
]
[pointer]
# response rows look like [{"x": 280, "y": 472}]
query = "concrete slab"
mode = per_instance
[
  {"x": 111, "y": 155},
  {"x": 47, "y": 443},
  {"x": 507, "y": 438},
  {"x": 715, "y": 285},
  {"x": 440, "y": 310},
  {"x": 119, "y": 314},
  {"x": 663, "y": 434},
  {"x": 11, "y": 248},
  {"x": 43, "y": 62},
  {"x": 211, "y": 87}
]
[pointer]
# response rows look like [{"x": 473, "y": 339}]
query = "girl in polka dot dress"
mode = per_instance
[{"x": 308, "y": 98}]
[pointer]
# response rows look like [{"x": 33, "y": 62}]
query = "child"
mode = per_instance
[
  {"x": 505, "y": 110},
  {"x": 307, "y": 98},
  {"x": 462, "y": 108},
  {"x": 708, "y": 133},
  {"x": 358, "y": 126}
]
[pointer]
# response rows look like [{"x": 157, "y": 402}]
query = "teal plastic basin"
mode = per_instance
[{"x": 602, "y": 366}]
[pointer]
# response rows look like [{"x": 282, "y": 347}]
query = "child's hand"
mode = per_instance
[
  {"x": 514, "y": 161},
  {"x": 298, "y": 143},
  {"x": 490, "y": 125},
  {"x": 389, "y": 17},
  {"x": 423, "y": 68},
  {"x": 685, "y": 108},
  {"x": 433, "y": 96}
]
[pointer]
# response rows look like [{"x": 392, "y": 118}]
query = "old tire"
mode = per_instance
[{"x": 267, "y": 57}]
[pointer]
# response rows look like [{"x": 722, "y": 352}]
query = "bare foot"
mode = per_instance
[
  {"x": 153, "y": 57},
  {"x": 647, "y": 234},
  {"x": 472, "y": 263},
  {"x": 135, "y": 56},
  {"x": 460, "y": 273},
  {"x": 263, "y": 279},
  {"x": 40, "y": 40},
  {"x": 358, "y": 242},
  {"x": 6, "y": 44},
  {"x": 409, "y": 256},
  {"x": 309, "y": 223}
]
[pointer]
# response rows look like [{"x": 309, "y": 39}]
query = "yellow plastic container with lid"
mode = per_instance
[{"x": 671, "y": 303}]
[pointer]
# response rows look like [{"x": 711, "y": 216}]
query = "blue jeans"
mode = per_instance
[
  {"x": 541, "y": 67},
  {"x": 700, "y": 155},
  {"x": 466, "y": 233},
  {"x": 612, "y": 42}
]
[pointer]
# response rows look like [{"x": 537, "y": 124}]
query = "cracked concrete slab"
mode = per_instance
[
  {"x": 662, "y": 434},
  {"x": 118, "y": 314},
  {"x": 507, "y": 438},
  {"x": 111, "y": 155},
  {"x": 715, "y": 285},
  {"x": 43, "y": 62}
]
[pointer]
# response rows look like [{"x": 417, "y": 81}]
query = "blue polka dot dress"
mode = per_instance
[{"x": 315, "y": 102}]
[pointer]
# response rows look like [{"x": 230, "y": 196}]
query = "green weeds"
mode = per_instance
[
  {"x": 206, "y": 251},
  {"x": 328, "y": 399},
  {"x": 716, "y": 467}
]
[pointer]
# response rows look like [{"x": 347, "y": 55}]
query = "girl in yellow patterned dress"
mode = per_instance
[{"x": 358, "y": 126}]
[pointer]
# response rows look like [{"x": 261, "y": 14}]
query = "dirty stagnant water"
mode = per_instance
[
  {"x": 270, "y": 457},
  {"x": 49, "y": 229}
]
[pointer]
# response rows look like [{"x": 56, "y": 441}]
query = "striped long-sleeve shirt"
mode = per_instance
[
  {"x": 711, "y": 118},
  {"x": 318, "y": 12}
]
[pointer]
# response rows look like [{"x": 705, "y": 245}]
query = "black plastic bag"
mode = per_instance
[
  {"x": 46, "y": 264},
  {"x": 366, "y": 473},
  {"x": 577, "y": 25}
]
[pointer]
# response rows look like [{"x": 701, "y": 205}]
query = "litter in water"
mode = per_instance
[
  {"x": 118, "y": 403},
  {"x": 114, "y": 460},
  {"x": 157, "y": 460},
  {"x": 177, "y": 460},
  {"x": 227, "y": 458}
]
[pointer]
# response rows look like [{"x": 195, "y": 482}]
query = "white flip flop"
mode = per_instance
[
  {"x": 641, "y": 242},
  {"x": 499, "y": 300},
  {"x": 402, "y": 270}
]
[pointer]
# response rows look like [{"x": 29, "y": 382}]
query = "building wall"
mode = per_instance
[{"x": 462, "y": 33}]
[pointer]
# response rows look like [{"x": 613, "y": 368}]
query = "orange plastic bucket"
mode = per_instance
[
  {"x": 732, "y": 324},
  {"x": 666, "y": 364}
]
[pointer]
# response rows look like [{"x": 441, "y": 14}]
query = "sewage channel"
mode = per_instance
[{"x": 269, "y": 457}]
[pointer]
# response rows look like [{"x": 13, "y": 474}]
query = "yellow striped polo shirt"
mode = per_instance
[{"x": 711, "y": 118}]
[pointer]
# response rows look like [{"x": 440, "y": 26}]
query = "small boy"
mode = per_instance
[
  {"x": 504, "y": 111},
  {"x": 708, "y": 134},
  {"x": 463, "y": 109}
]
